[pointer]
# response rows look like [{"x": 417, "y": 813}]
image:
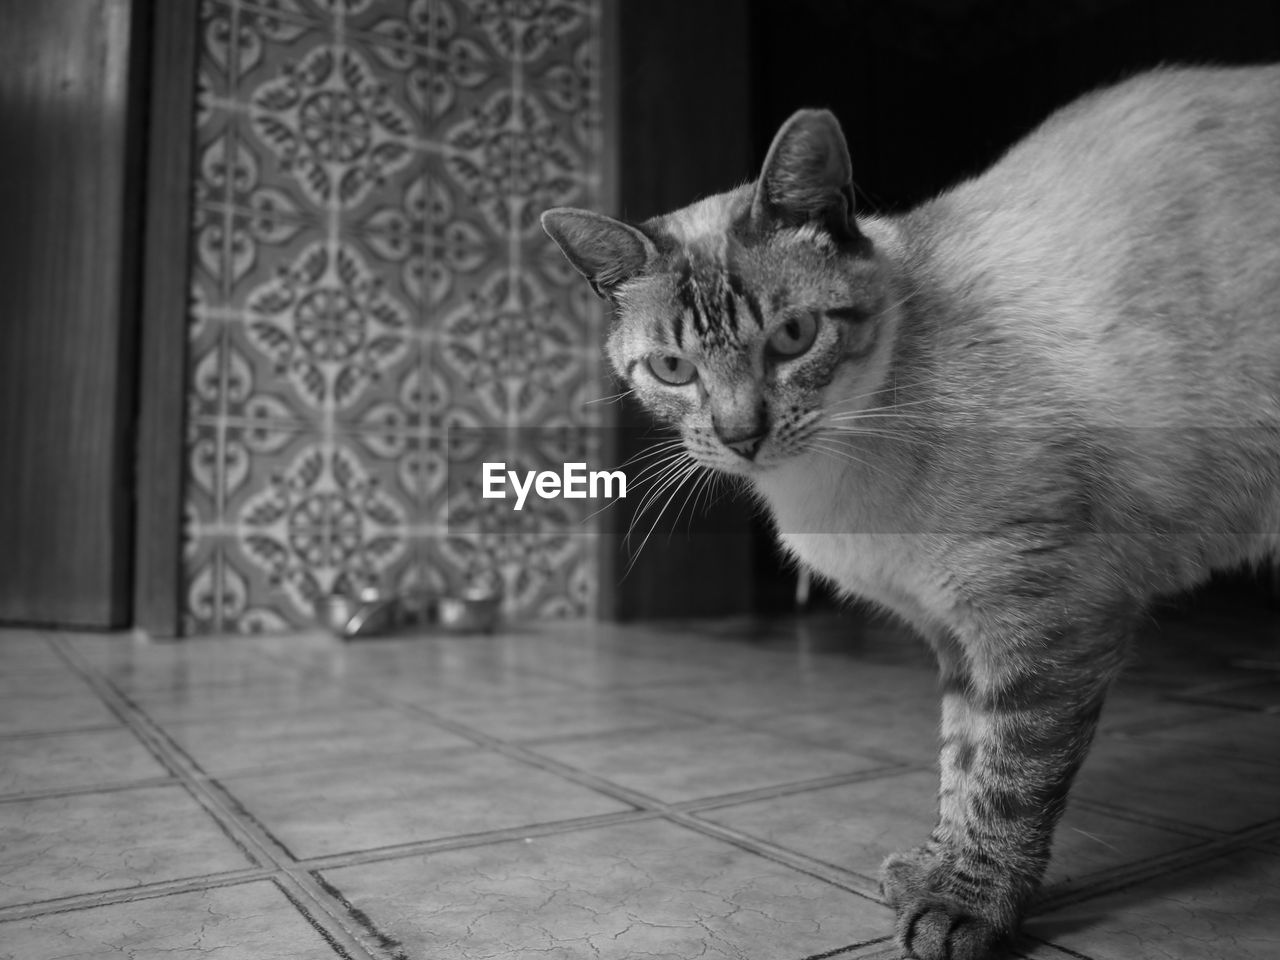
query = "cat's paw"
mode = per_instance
[{"x": 933, "y": 923}]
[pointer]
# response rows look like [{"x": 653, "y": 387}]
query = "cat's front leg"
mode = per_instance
[{"x": 1013, "y": 736}]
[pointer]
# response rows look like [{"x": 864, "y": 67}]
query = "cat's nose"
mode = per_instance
[{"x": 745, "y": 446}]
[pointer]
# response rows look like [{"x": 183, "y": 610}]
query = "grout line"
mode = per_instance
[
  {"x": 118, "y": 786},
  {"x": 1147, "y": 819},
  {"x": 418, "y": 848},
  {"x": 846, "y": 880},
  {"x": 34, "y": 734},
  {"x": 144, "y": 891},
  {"x": 390, "y": 945},
  {"x": 258, "y": 845},
  {"x": 325, "y": 934},
  {"x": 772, "y": 792},
  {"x": 1130, "y": 875}
]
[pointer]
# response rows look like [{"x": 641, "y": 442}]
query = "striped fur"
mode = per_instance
[{"x": 1032, "y": 405}]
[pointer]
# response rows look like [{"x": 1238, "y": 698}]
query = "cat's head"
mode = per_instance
[{"x": 750, "y": 319}]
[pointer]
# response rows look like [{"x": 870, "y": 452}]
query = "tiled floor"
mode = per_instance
[{"x": 718, "y": 790}]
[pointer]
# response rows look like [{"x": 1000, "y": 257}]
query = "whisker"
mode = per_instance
[
  {"x": 833, "y": 432},
  {"x": 841, "y": 454},
  {"x": 610, "y": 399},
  {"x": 641, "y": 478},
  {"x": 1096, "y": 838},
  {"x": 657, "y": 448},
  {"x": 833, "y": 408},
  {"x": 649, "y": 469},
  {"x": 882, "y": 413},
  {"x": 672, "y": 473},
  {"x": 647, "y": 474},
  {"x": 682, "y": 478},
  {"x": 691, "y": 500}
]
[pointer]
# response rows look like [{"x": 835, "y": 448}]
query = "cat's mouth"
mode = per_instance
[{"x": 751, "y": 460}]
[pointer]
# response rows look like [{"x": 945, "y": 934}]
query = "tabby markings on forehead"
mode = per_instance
[{"x": 713, "y": 297}]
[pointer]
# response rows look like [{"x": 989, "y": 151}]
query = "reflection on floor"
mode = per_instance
[{"x": 721, "y": 790}]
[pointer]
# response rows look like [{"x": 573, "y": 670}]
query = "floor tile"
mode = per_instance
[
  {"x": 313, "y": 738},
  {"x": 1226, "y": 908},
  {"x": 1244, "y": 734},
  {"x": 170, "y": 672},
  {"x": 907, "y": 732},
  {"x": 650, "y": 890},
  {"x": 1252, "y": 694},
  {"x": 735, "y": 700},
  {"x": 251, "y": 921},
  {"x": 631, "y": 671},
  {"x": 855, "y": 826},
  {"x": 1089, "y": 842},
  {"x": 272, "y": 697},
  {"x": 475, "y": 688},
  {"x": 1169, "y": 780},
  {"x": 27, "y": 651},
  {"x": 1135, "y": 710},
  {"x": 403, "y": 799},
  {"x": 42, "y": 710},
  {"x": 51, "y": 678},
  {"x": 701, "y": 761},
  {"x": 778, "y": 691},
  {"x": 852, "y": 826},
  {"x": 61, "y": 846},
  {"x": 545, "y": 716},
  {"x": 64, "y": 760}
]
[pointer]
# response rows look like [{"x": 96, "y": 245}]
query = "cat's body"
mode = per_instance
[
  {"x": 1022, "y": 411},
  {"x": 1097, "y": 317}
]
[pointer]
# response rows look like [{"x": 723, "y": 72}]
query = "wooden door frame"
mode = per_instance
[{"x": 164, "y": 276}]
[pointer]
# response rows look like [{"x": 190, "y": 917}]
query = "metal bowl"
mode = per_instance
[
  {"x": 334, "y": 612},
  {"x": 473, "y": 612},
  {"x": 374, "y": 614}
]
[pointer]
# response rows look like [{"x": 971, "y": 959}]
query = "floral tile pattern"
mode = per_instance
[{"x": 369, "y": 276}]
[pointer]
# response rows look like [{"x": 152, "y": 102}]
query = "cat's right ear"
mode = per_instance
[
  {"x": 807, "y": 176},
  {"x": 605, "y": 251}
]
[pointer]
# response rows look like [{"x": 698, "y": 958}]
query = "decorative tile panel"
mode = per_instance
[{"x": 369, "y": 277}]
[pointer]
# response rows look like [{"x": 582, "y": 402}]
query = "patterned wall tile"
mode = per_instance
[
  {"x": 329, "y": 326},
  {"x": 273, "y": 38},
  {"x": 321, "y": 522},
  {"x": 370, "y": 284}
]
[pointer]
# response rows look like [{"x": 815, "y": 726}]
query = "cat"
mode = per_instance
[{"x": 1012, "y": 416}]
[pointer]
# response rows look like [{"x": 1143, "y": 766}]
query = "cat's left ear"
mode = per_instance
[
  {"x": 604, "y": 250},
  {"x": 807, "y": 176}
]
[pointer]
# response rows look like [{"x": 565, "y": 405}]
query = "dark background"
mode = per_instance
[{"x": 932, "y": 91}]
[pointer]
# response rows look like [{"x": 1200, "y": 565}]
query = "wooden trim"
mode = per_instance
[
  {"x": 165, "y": 276},
  {"x": 68, "y": 187}
]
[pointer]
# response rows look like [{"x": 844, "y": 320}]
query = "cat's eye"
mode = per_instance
[
  {"x": 795, "y": 336},
  {"x": 676, "y": 371}
]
